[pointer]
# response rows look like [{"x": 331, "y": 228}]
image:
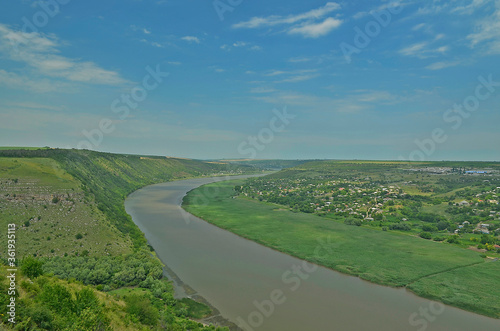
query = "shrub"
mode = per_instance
[
  {"x": 142, "y": 308},
  {"x": 400, "y": 226},
  {"x": 31, "y": 267},
  {"x": 353, "y": 221},
  {"x": 429, "y": 228},
  {"x": 425, "y": 235},
  {"x": 79, "y": 236}
]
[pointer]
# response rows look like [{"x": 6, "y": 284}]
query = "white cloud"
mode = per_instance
[
  {"x": 315, "y": 30},
  {"x": 461, "y": 7},
  {"x": 258, "y": 22},
  {"x": 413, "y": 49},
  {"x": 468, "y": 9},
  {"x": 422, "y": 50},
  {"x": 419, "y": 26},
  {"x": 216, "y": 69},
  {"x": 291, "y": 72},
  {"x": 442, "y": 65},
  {"x": 298, "y": 78},
  {"x": 488, "y": 33},
  {"x": 13, "y": 80},
  {"x": 143, "y": 30},
  {"x": 41, "y": 53},
  {"x": 241, "y": 44},
  {"x": 191, "y": 39}
]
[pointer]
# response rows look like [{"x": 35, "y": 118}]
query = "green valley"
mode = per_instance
[
  {"x": 68, "y": 209},
  {"x": 370, "y": 219}
]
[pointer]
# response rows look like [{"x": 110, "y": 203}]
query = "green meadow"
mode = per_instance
[
  {"x": 475, "y": 288},
  {"x": 381, "y": 257}
]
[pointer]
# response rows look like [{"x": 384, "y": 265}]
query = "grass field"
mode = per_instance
[
  {"x": 475, "y": 288},
  {"x": 381, "y": 257}
]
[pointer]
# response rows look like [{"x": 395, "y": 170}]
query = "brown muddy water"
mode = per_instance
[{"x": 265, "y": 290}]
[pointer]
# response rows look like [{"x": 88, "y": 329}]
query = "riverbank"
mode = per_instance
[
  {"x": 379, "y": 257},
  {"x": 236, "y": 275}
]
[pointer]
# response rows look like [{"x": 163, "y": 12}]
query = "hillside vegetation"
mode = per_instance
[{"x": 68, "y": 207}]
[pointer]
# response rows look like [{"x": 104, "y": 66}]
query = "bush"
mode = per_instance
[
  {"x": 142, "y": 308},
  {"x": 79, "y": 236},
  {"x": 353, "y": 221},
  {"x": 429, "y": 228},
  {"x": 31, "y": 267},
  {"x": 425, "y": 235},
  {"x": 453, "y": 239},
  {"x": 400, "y": 226}
]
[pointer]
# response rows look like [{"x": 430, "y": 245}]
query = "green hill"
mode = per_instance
[{"x": 68, "y": 208}]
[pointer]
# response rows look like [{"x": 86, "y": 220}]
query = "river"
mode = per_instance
[{"x": 262, "y": 289}]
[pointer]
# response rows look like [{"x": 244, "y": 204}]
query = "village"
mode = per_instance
[{"x": 442, "y": 207}]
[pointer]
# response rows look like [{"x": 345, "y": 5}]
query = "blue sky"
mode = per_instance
[{"x": 386, "y": 92}]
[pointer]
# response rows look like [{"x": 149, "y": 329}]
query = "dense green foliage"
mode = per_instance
[{"x": 31, "y": 267}]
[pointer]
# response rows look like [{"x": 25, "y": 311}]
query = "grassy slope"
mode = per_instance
[
  {"x": 380, "y": 257},
  {"x": 102, "y": 179},
  {"x": 28, "y": 187},
  {"x": 91, "y": 188}
]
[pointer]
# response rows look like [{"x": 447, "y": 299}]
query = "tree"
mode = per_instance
[
  {"x": 31, "y": 267},
  {"x": 442, "y": 225}
]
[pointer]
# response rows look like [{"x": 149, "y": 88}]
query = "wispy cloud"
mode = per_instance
[
  {"x": 258, "y": 22},
  {"x": 40, "y": 52},
  {"x": 191, "y": 39},
  {"x": 304, "y": 24},
  {"x": 442, "y": 65},
  {"x": 461, "y": 7},
  {"x": 13, "y": 80},
  {"x": 315, "y": 30},
  {"x": 423, "y": 50},
  {"x": 298, "y": 78},
  {"x": 143, "y": 30},
  {"x": 241, "y": 44},
  {"x": 488, "y": 32},
  {"x": 467, "y": 9},
  {"x": 216, "y": 69}
]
